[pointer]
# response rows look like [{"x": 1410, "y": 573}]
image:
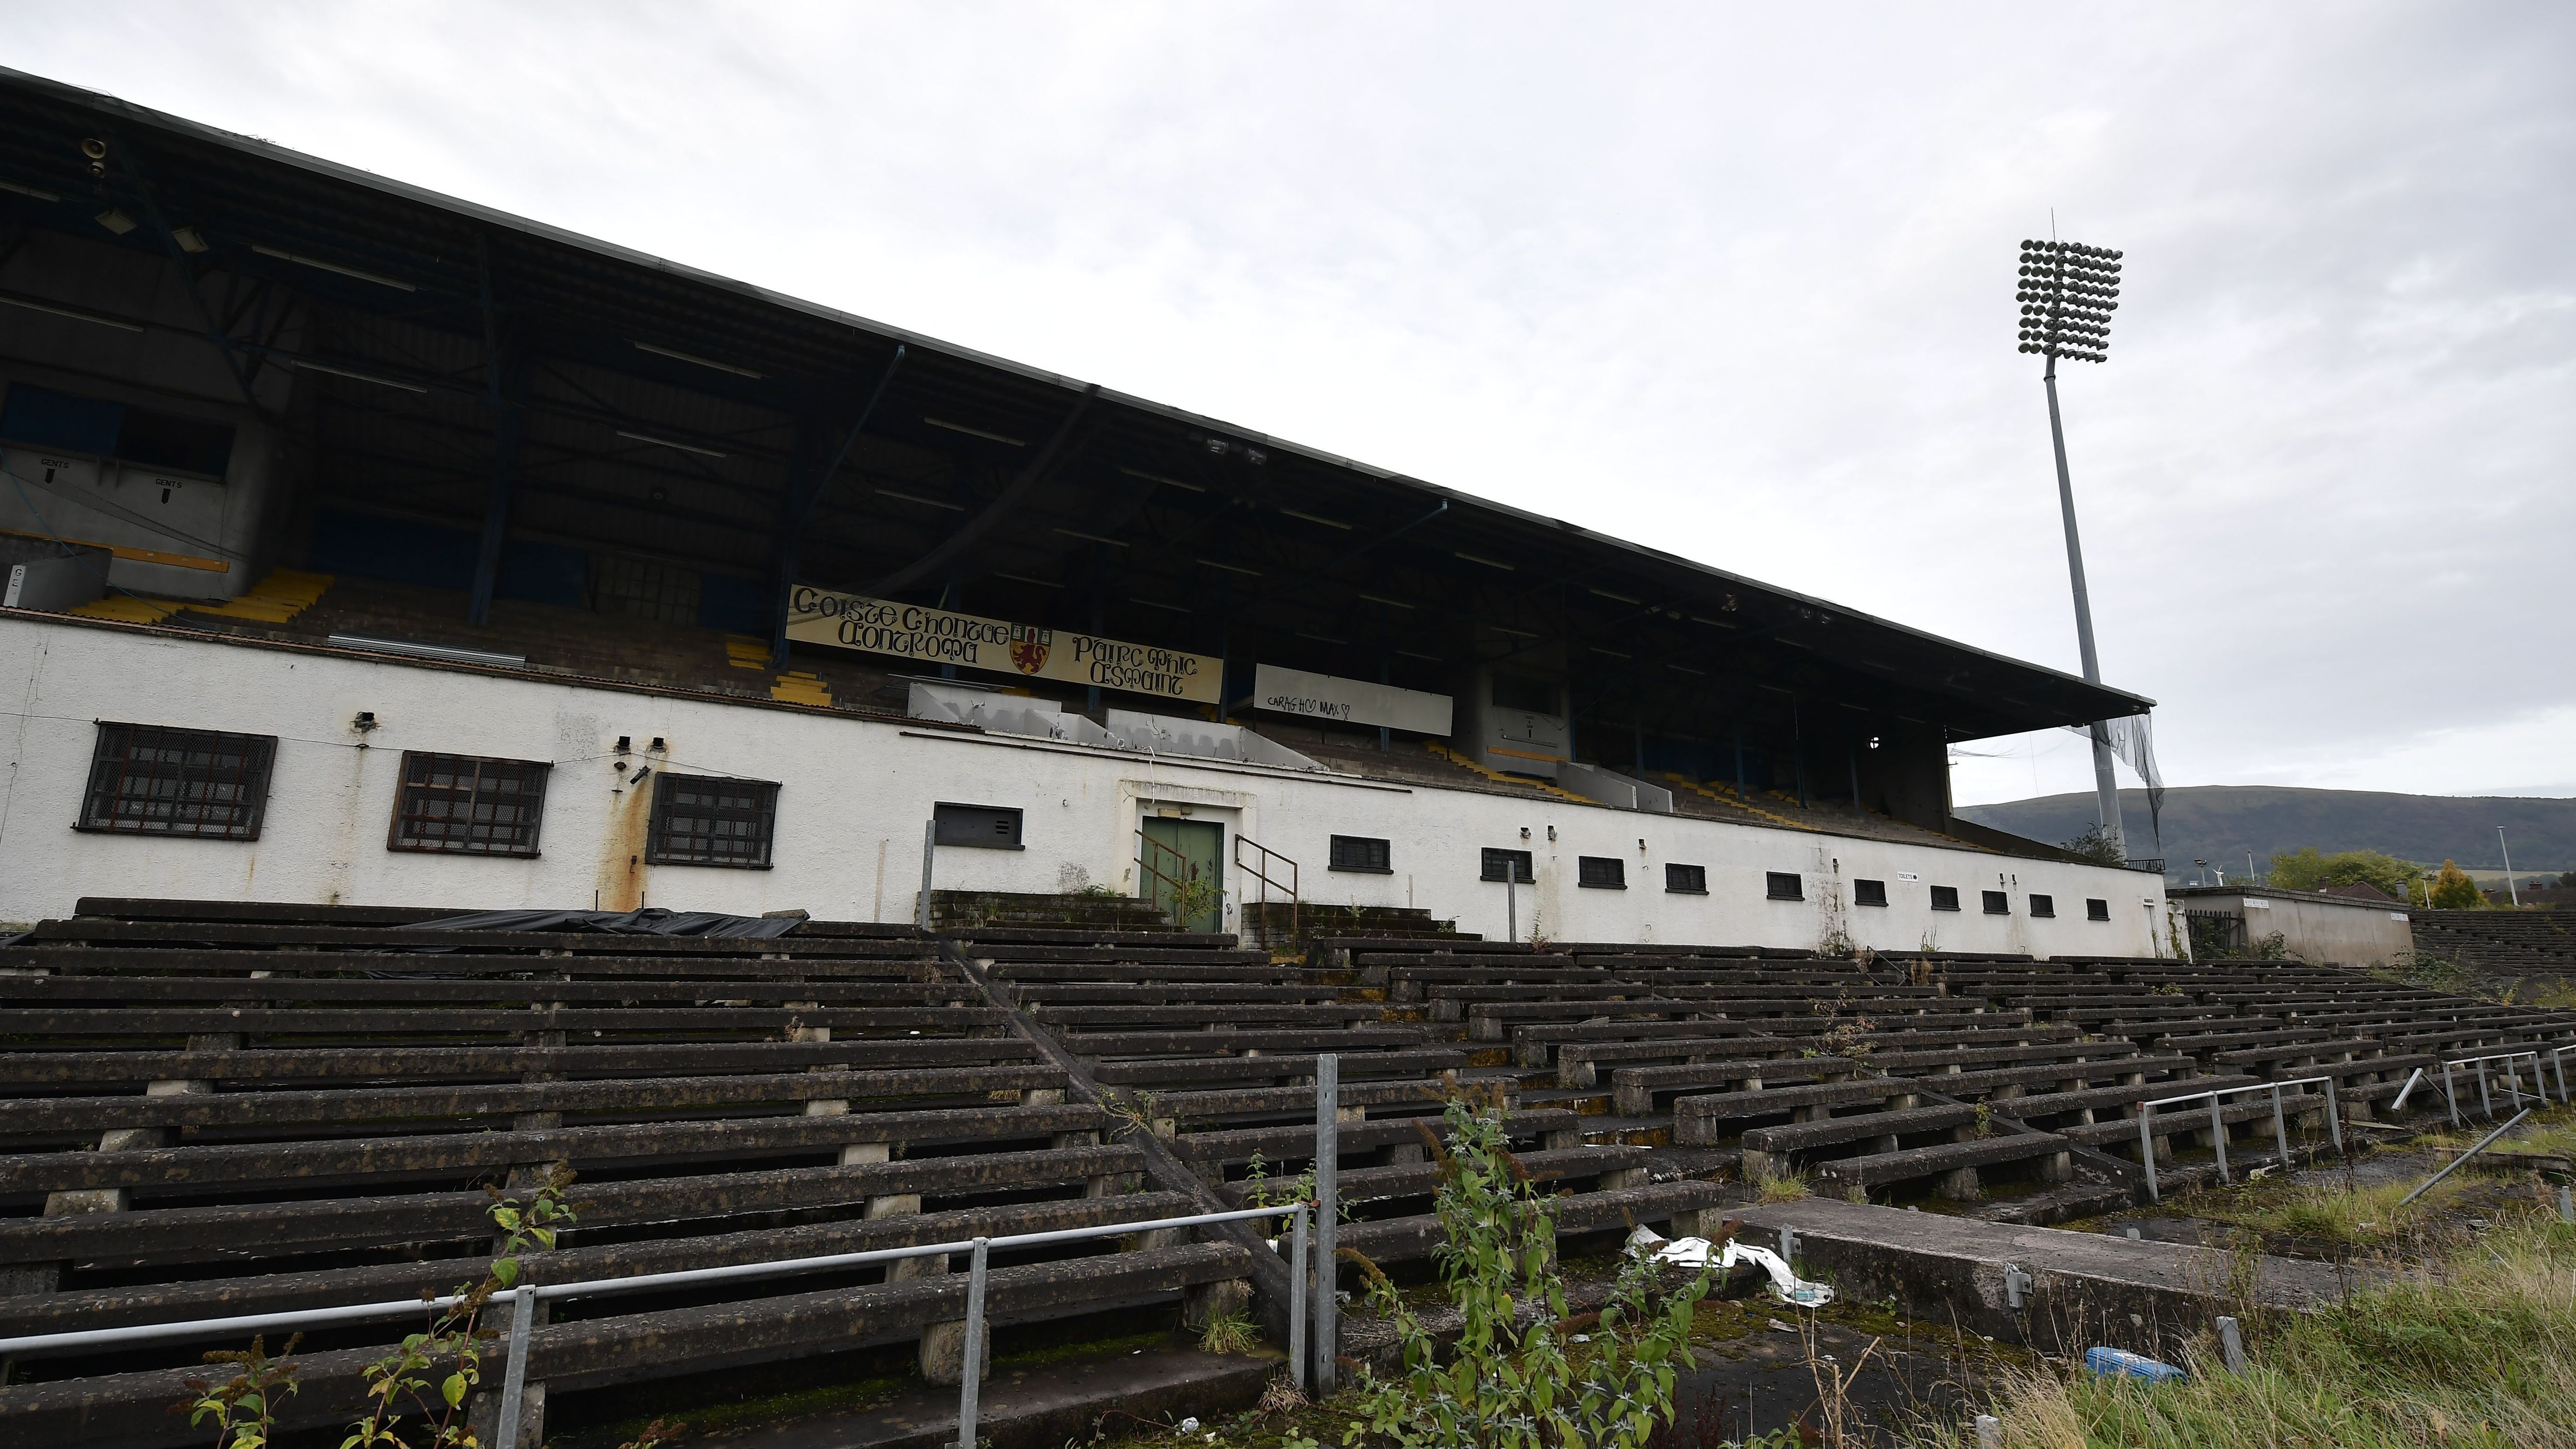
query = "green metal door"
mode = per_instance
[{"x": 1184, "y": 860}]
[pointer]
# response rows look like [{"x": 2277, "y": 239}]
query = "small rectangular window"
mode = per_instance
[
  {"x": 151, "y": 780},
  {"x": 2097, "y": 910},
  {"x": 1362, "y": 853},
  {"x": 987, "y": 827},
  {"x": 1507, "y": 865},
  {"x": 1601, "y": 872},
  {"x": 2044, "y": 907},
  {"x": 1782, "y": 885},
  {"x": 1998, "y": 904},
  {"x": 1869, "y": 893},
  {"x": 698, "y": 820},
  {"x": 1686, "y": 880},
  {"x": 1945, "y": 898},
  {"x": 468, "y": 805}
]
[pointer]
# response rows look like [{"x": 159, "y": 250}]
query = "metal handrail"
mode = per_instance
[
  {"x": 2513, "y": 1079},
  {"x": 1261, "y": 873},
  {"x": 2218, "y": 1124},
  {"x": 523, "y": 1301}
]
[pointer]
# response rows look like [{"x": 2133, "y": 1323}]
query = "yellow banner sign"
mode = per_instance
[{"x": 936, "y": 636}]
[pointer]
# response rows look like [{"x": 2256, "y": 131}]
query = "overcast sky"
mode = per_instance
[{"x": 1735, "y": 282}]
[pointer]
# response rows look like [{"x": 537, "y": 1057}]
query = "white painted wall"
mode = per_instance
[{"x": 853, "y": 796}]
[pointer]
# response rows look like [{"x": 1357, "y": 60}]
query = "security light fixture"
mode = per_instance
[{"x": 2067, "y": 292}]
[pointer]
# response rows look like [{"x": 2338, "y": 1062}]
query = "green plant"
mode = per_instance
[
  {"x": 1193, "y": 898},
  {"x": 2095, "y": 847},
  {"x": 2454, "y": 891},
  {"x": 2274, "y": 947},
  {"x": 2307, "y": 869},
  {"x": 408, "y": 1381},
  {"x": 1517, "y": 1378},
  {"x": 1229, "y": 1333},
  {"x": 2476, "y": 1347},
  {"x": 245, "y": 1408},
  {"x": 1779, "y": 1186}
]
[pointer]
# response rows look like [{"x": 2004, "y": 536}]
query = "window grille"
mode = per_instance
[
  {"x": 703, "y": 821},
  {"x": 154, "y": 780},
  {"x": 1686, "y": 880},
  {"x": 1869, "y": 892},
  {"x": 2044, "y": 907},
  {"x": 1783, "y": 885},
  {"x": 1998, "y": 904},
  {"x": 1601, "y": 872},
  {"x": 987, "y": 827},
  {"x": 1362, "y": 853},
  {"x": 1498, "y": 862},
  {"x": 1945, "y": 898},
  {"x": 468, "y": 805},
  {"x": 2097, "y": 910}
]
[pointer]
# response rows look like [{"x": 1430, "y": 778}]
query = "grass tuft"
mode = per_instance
[
  {"x": 2480, "y": 1350},
  {"x": 1781, "y": 1187}
]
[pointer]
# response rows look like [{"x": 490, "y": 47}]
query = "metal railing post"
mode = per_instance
[
  {"x": 2218, "y": 1137},
  {"x": 2280, "y": 1127},
  {"x": 2486, "y": 1102},
  {"x": 1298, "y": 1289},
  {"x": 2450, "y": 1098},
  {"x": 929, "y": 842},
  {"x": 971, "y": 1357},
  {"x": 1327, "y": 1316},
  {"x": 2334, "y": 1117},
  {"x": 2147, "y": 1147},
  {"x": 514, "y": 1380}
]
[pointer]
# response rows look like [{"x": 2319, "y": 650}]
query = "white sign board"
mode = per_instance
[{"x": 1348, "y": 701}]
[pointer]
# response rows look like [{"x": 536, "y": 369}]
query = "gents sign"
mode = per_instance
[
  {"x": 1351, "y": 701},
  {"x": 935, "y": 636}
]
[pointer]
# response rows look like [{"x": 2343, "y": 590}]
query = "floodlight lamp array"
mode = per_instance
[{"x": 2067, "y": 294}]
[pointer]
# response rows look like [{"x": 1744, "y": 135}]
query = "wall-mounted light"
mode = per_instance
[
  {"x": 365, "y": 722},
  {"x": 657, "y": 747},
  {"x": 1524, "y": 832},
  {"x": 1551, "y": 832},
  {"x": 625, "y": 745}
]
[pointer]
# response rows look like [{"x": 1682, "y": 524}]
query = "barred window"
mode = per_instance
[
  {"x": 1869, "y": 892},
  {"x": 1998, "y": 904},
  {"x": 1783, "y": 885},
  {"x": 1362, "y": 853},
  {"x": 1506, "y": 865},
  {"x": 698, "y": 820},
  {"x": 2097, "y": 910},
  {"x": 1601, "y": 872},
  {"x": 2044, "y": 907},
  {"x": 468, "y": 805},
  {"x": 1686, "y": 880},
  {"x": 1945, "y": 898},
  {"x": 153, "y": 780}
]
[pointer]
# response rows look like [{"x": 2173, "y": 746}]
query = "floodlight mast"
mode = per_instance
[{"x": 2067, "y": 294}]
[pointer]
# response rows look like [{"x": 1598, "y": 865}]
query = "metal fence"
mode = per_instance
[{"x": 524, "y": 1299}]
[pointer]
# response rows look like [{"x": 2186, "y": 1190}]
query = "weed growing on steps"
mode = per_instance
[
  {"x": 1523, "y": 1375},
  {"x": 1779, "y": 1187},
  {"x": 407, "y": 1382},
  {"x": 2479, "y": 1349},
  {"x": 1230, "y": 1333}
]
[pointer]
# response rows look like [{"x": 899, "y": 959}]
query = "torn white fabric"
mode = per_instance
[{"x": 1786, "y": 1286}]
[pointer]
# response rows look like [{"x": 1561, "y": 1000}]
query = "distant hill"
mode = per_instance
[{"x": 2219, "y": 823}]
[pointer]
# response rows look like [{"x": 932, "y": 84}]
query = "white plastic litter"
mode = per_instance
[
  {"x": 1786, "y": 1286},
  {"x": 1190, "y": 1425}
]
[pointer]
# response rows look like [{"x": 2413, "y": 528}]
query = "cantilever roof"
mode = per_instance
[{"x": 1047, "y": 497}]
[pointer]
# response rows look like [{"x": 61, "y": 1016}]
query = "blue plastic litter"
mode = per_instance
[{"x": 2120, "y": 1363}]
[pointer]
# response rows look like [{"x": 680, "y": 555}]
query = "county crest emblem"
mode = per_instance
[{"x": 1029, "y": 649}]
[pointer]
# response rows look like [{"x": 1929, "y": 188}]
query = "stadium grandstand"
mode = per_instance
[{"x": 490, "y": 709}]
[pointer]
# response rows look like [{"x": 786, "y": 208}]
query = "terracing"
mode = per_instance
[{"x": 222, "y": 1110}]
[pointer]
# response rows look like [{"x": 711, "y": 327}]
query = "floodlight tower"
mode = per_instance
[{"x": 2067, "y": 293}]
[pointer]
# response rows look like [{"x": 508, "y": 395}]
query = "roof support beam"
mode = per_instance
[
  {"x": 1001, "y": 507},
  {"x": 796, "y": 506}
]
